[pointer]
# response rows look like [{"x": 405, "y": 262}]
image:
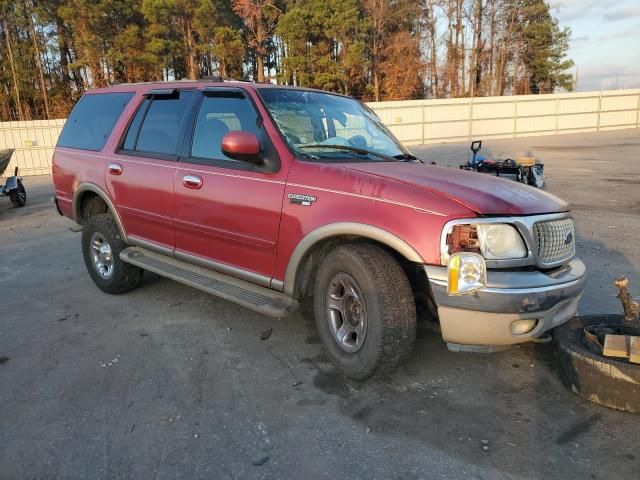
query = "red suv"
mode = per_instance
[{"x": 266, "y": 195}]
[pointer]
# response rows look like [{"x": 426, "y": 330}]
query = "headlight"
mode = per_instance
[
  {"x": 494, "y": 241},
  {"x": 466, "y": 273},
  {"x": 500, "y": 241}
]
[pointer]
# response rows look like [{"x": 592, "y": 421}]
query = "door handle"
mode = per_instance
[
  {"x": 192, "y": 181},
  {"x": 115, "y": 169}
]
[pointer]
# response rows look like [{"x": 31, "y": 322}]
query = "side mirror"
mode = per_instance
[{"x": 242, "y": 146}]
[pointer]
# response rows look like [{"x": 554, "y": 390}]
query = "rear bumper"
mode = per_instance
[{"x": 486, "y": 317}]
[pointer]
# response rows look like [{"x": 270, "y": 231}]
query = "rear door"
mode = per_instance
[
  {"x": 140, "y": 175},
  {"x": 78, "y": 157},
  {"x": 227, "y": 212}
]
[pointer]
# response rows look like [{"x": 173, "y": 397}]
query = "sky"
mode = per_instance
[{"x": 605, "y": 41}]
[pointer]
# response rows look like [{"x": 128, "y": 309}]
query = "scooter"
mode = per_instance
[{"x": 13, "y": 188}]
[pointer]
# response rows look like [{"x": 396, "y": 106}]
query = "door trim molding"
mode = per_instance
[
  {"x": 149, "y": 245},
  {"x": 253, "y": 277}
]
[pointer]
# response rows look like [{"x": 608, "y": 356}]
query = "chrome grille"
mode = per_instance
[{"x": 555, "y": 239}]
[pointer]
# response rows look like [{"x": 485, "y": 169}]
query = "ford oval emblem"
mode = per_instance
[{"x": 568, "y": 239}]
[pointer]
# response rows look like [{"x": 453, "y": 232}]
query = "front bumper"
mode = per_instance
[{"x": 485, "y": 317}]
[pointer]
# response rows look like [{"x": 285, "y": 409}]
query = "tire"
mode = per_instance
[
  {"x": 18, "y": 196},
  {"x": 101, "y": 230},
  {"x": 603, "y": 380},
  {"x": 377, "y": 305},
  {"x": 94, "y": 206}
]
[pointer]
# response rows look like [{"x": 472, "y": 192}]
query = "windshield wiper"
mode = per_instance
[
  {"x": 360, "y": 151},
  {"x": 407, "y": 157}
]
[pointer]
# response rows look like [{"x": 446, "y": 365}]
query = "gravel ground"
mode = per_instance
[{"x": 167, "y": 382}]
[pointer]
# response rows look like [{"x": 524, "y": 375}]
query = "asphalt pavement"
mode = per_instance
[{"x": 166, "y": 382}]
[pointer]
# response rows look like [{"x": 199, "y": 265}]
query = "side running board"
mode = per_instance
[{"x": 260, "y": 299}]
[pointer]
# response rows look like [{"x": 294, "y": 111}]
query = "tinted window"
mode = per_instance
[
  {"x": 134, "y": 128},
  {"x": 217, "y": 116},
  {"x": 161, "y": 125},
  {"x": 92, "y": 120}
]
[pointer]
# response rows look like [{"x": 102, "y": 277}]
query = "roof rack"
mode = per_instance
[{"x": 217, "y": 78}]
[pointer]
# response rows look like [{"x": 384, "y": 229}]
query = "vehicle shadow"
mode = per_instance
[
  {"x": 511, "y": 402},
  {"x": 506, "y": 411}
]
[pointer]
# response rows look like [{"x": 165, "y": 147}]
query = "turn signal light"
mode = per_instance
[{"x": 467, "y": 273}]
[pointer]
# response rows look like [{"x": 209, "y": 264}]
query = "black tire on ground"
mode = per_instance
[
  {"x": 603, "y": 380},
  {"x": 389, "y": 305},
  {"x": 125, "y": 277},
  {"x": 18, "y": 196}
]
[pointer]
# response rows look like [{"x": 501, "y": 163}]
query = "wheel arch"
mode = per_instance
[
  {"x": 91, "y": 189},
  {"x": 322, "y": 239}
]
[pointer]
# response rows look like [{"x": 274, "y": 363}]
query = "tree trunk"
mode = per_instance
[
  {"x": 477, "y": 77},
  {"x": 64, "y": 51},
  {"x": 456, "y": 55},
  {"x": 260, "y": 49},
  {"x": 500, "y": 80},
  {"x": 43, "y": 86},
  {"x": 376, "y": 86},
  {"x": 14, "y": 77},
  {"x": 450, "y": 53},
  {"x": 193, "y": 70},
  {"x": 462, "y": 65},
  {"x": 433, "y": 63},
  {"x": 374, "y": 66},
  {"x": 260, "y": 67},
  {"x": 492, "y": 36}
]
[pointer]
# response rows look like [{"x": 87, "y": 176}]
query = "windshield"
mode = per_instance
[{"x": 325, "y": 127}]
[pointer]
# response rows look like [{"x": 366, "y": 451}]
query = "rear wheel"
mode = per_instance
[
  {"x": 101, "y": 247},
  {"x": 18, "y": 196},
  {"x": 364, "y": 310}
]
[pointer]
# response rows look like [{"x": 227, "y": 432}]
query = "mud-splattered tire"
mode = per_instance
[
  {"x": 101, "y": 247},
  {"x": 364, "y": 310},
  {"x": 607, "y": 381}
]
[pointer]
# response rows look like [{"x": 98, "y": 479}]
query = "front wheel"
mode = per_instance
[
  {"x": 364, "y": 310},
  {"x": 101, "y": 247},
  {"x": 18, "y": 196}
]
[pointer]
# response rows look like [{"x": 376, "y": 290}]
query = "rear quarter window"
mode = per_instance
[{"x": 92, "y": 119}]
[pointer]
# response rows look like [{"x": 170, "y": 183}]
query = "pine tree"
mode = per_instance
[{"x": 544, "y": 49}]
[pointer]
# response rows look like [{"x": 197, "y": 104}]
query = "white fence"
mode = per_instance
[
  {"x": 458, "y": 119},
  {"x": 33, "y": 142},
  {"x": 415, "y": 121}
]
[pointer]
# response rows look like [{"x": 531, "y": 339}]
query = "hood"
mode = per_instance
[{"x": 482, "y": 193}]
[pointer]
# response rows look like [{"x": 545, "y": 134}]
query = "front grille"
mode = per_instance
[{"x": 556, "y": 240}]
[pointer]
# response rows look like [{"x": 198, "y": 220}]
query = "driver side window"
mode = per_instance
[{"x": 219, "y": 115}]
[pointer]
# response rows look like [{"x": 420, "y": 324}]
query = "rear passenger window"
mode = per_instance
[
  {"x": 92, "y": 120},
  {"x": 132, "y": 134},
  {"x": 156, "y": 126}
]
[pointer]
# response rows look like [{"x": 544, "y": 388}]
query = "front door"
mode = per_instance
[
  {"x": 227, "y": 212},
  {"x": 141, "y": 173}
]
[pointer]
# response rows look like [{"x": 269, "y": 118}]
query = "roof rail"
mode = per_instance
[{"x": 217, "y": 78}]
